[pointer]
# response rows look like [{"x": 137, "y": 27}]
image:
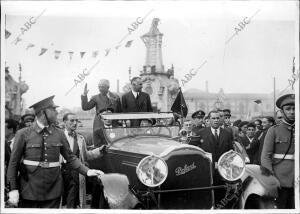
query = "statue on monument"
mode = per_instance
[{"x": 13, "y": 93}]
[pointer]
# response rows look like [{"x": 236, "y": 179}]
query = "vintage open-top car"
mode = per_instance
[{"x": 160, "y": 170}]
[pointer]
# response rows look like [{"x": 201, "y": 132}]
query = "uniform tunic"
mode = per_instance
[
  {"x": 277, "y": 141},
  {"x": 37, "y": 183}
]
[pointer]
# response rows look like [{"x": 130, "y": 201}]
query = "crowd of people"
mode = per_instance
[{"x": 46, "y": 165}]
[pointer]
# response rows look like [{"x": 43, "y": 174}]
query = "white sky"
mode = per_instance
[{"x": 193, "y": 32}]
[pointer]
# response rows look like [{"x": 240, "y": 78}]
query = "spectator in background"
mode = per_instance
[
  {"x": 279, "y": 117},
  {"x": 11, "y": 127},
  {"x": 207, "y": 121},
  {"x": 258, "y": 126},
  {"x": 243, "y": 126},
  {"x": 27, "y": 119},
  {"x": 250, "y": 143},
  {"x": 198, "y": 121},
  {"x": 187, "y": 125},
  {"x": 227, "y": 124},
  {"x": 267, "y": 122}
]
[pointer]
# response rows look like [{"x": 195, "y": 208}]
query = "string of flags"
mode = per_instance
[{"x": 58, "y": 53}]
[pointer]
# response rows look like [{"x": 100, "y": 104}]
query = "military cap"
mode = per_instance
[
  {"x": 44, "y": 104},
  {"x": 199, "y": 113},
  {"x": 287, "y": 99},
  {"x": 25, "y": 117}
]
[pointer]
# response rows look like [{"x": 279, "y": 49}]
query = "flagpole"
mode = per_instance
[
  {"x": 274, "y": 96},
  {"x": 181, "y": 111}
]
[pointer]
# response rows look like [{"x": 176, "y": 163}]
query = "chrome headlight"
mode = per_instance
[
  {"x": 231, "y": 166},
  {"x": 152, "y": 171}
]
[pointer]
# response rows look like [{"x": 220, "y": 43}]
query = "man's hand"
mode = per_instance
[
  {"x": 94, "y": 172},
  {"x": 13, "y": 197},
  {"x": 102, "y": 149},
  {"x": 85, "y": 91},
  {"x": 265, "y": 171}
]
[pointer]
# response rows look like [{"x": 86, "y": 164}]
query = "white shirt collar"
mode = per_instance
[
  {"x": 250, "y": 139},
  {"x": 213, "y": 130},
  {"x": 134, "y": 93}
]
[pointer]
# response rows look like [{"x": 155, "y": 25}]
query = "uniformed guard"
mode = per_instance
[
  {"x": 278, "y": 152},
  {"x": 198, "y": 121},
  {"x": 36, "y": 151}
]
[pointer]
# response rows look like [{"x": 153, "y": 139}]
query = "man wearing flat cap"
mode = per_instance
[
  {"x": 36, "y": 151},
  {"x": 198, "y": 122},
  {"x": 279, "y": 151}
]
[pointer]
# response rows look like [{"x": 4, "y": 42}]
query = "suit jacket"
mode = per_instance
[
  {"x": 100, "y": 102},
  {"x": 252, "y": 150},
  {"x": 141, "y": 104},
  {"x": 208, "y": 143}
]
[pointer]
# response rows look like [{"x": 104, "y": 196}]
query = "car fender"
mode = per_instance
[
  {"x": 116, "y": 191},
  {"x": 254, "y": 182}
]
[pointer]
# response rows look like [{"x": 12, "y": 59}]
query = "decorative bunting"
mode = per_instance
[
  {"x": 71, "y": 54},
  {"x": 30, "y": 46},
  {"x": 43, "y": 50},
  {"x": 82, "y": 54},
  {"x": 56, "y": 54},
  {"x": 128, "y": 44},
  {"x": 107, "y": 51},
  {"x": 95, "y": 54},
  {"x": 7, "y": 34}
]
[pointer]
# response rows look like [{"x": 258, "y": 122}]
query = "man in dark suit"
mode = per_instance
[
  {"x": 216, "y": 141},
  {"x": 104, "y": 100},
  {"x": 136, "y": 100}
]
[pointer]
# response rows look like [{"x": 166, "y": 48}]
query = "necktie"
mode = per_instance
[
  {"x": 137, "y": 95},
  {"x": 216, "y": 135},
  {"x": 71, "y": 134}
]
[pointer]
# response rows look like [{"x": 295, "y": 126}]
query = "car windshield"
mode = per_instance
[{"x": 115, "y": 134}]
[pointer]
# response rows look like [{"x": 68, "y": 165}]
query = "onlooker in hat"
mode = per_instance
[
  {"x": 278, "y": 153},
  {"x": 104, "y": 100},
  {"x": 267, "y": 122},
  {"x": 227, "y": 124},
  {"x": 74, "y": 183},
  {"x": 198, "y": 121},
  {"x": 27, "y": 119},
  {"x": 37, "y": 150},
  {"x": 250, "y": 143}
]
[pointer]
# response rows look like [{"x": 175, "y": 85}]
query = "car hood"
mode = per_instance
[{"x": 146, "y": 145}]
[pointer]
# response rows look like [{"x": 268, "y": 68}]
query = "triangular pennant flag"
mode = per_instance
[
  {"x": 56, "y": 54},
  {"x": 257, "y": 101},
  {"x": 71, "y": 54},
  {"x": 107, "y": 51},
  {"x": 7, "y": 34},
  {"x": 43, "y": 50},
  {"x": 30, "y": 46},
  {"x": 128, "y": 44},
  {"x": 82, "y": 54},
  {"x": 95, "y": 54},
  {"x": 179, "y": 106}
]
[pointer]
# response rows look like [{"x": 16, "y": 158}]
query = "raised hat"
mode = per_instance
[
  {"x": 287, "y": 99},
  {"x": 198, "y": 113},
  {"x": 43, "y": 104},
  {"x": 28, "y": 116}
]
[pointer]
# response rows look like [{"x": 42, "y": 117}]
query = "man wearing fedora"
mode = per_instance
[
  {"x": 37, "y": 150},
  {"x": 278, "y": 152}
]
